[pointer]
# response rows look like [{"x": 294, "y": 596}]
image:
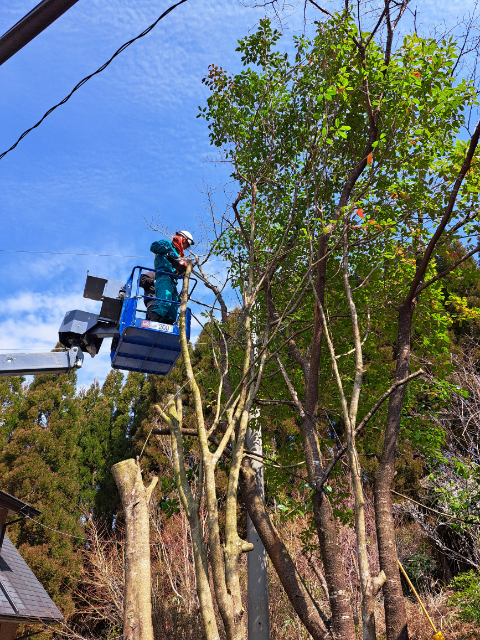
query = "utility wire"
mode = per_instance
[
  {"x": 59, "y": 253},
  {"x": 69, "y": 535},
  {"x": 102, "y": 68}
]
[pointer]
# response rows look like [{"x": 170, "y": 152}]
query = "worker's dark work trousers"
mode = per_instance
[{"x": 156, "y": 317}]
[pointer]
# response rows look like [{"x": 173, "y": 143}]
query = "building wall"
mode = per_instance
[{"x": 8, "y": 630}]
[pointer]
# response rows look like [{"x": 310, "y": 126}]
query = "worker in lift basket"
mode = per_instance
[{"x": 168, "y": 257}]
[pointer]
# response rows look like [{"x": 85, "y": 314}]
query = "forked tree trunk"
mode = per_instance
[{"x": 137, "y": 615}]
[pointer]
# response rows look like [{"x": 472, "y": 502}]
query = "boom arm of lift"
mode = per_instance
[
  {"x": 24, "y": 364},
  {"x": 79, "y": 332}
]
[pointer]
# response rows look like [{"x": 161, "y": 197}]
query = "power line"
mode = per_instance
[
  {"x": 69, "y": 535},
  {"x": 102, "y": 68},
  {"x": 63, "y": 533},
  {"x": 31, "y": 25},
  {"x": 60, "y": 253}
]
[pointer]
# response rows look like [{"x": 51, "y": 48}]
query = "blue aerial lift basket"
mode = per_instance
[
  {"x": 138, "y": 344},
  {"x": 143, "y": 345}
]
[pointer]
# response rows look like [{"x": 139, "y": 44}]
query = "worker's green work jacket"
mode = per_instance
[{"x": 165, "y": 287}]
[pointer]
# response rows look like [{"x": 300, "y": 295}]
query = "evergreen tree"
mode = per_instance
[
  {"x": 11, "y": 396},
  {"x": 108, "y": 424},
  {"x": 40, "y": 465}
]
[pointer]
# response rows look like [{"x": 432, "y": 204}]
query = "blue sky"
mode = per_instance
[{"x": 127, "y": 146}]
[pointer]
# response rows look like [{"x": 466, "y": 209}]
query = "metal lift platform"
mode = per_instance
[
  {"x": 138, "y": 344},
  {"x": 146, "y": 346}
]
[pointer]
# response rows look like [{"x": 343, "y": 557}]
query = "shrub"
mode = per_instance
[
  {"x": 421, "y": 569},
  {"x": 467, "y": 596}
]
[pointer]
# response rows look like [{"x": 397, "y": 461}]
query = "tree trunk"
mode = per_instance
[
  {"x": 395, "y": 613},
  {"x": 191, "y": 506},
  {"x": 137, "y": 616},
  {"x": 298, "y": 595},
  {"x": 342, "y": 618}
]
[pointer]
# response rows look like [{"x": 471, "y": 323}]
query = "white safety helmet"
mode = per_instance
[{"x": 187, "y": 235}]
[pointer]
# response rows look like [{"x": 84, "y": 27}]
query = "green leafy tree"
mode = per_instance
[{"x": 348, "y": 158}]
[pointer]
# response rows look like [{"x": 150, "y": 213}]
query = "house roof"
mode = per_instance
[
  {"x": 22, "y": 597},
  {"x": 14, "y": 505}
]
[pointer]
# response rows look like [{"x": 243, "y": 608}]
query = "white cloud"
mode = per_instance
[{"x": 30, "y": 322}]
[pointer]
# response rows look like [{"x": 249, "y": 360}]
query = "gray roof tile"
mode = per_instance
[{"x": 21, "y": 594}]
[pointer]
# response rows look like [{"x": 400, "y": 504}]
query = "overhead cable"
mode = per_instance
[
  {"x": 102, "y": 68},
  {"x": 63, "y": 533},
  {"x": 69, "y": 535},
  {"x": 60, "y": 253}
]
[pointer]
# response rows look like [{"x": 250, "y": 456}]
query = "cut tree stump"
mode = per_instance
[{"x": 137, "y": 616}]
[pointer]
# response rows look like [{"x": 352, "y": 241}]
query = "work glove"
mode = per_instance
[{"x": 178, "y": 264}]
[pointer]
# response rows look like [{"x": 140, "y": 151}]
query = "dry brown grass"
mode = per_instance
[
  {"x": 443, "y": 616},
  {"x": 175, "y": 605}
]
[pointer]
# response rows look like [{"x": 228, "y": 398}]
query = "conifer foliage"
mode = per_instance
[
  {"x": 40, "y": 465},
  {"x": 58, "y": 446}
]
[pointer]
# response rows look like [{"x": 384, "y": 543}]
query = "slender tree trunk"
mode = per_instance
[
  {"x": 204, "y": 593},
  {"x": 191, "y": 506},
  {"x": 395, "y": 613},
  {"x": 342, "y": 618},
  {"x": 227, "y": 602},
  {"x": 137, "y": 616},
  {"x": 234, "y": 545},
  {"x": 370, "y": 586},
  {"x": 301, "y": 600}
]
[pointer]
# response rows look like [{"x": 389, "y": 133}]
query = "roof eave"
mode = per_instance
[{"x": 33, "y": 620}]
